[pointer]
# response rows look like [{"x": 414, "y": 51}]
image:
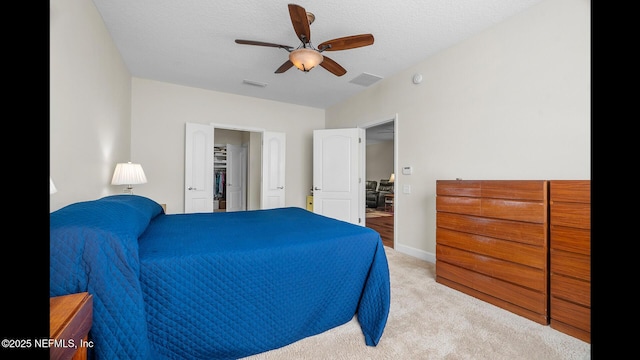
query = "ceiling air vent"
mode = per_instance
[
  {"x": 254, "y": 83},
  {"x": 365, "y": 79}
]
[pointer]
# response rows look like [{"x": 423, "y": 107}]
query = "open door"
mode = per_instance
[
  {"x": 236, "y": 178},
  {"x": 273, "y": 170},
  {"x": 198, "y": 168},
  {"x": 338, "y": 167}
]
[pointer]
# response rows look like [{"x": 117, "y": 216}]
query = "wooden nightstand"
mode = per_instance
[{"x": 70, "y": 318}]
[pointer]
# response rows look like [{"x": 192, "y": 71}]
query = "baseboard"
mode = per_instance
[{"x": 417, "y": 253}]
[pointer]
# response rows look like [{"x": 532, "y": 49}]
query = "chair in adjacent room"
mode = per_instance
[
  {"x": 385, "y": 187},
  {"x": 371, "y": 193}
]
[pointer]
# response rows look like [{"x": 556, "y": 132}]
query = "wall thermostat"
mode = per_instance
[{"x": 407, "y": 170}]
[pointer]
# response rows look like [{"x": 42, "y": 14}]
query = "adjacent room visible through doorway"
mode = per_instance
[
  {"x": 382, "y": 222},
  {"x": 380, "y": 178}
]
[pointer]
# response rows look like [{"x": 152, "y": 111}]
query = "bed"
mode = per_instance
[{"x": 214, "y": 285}]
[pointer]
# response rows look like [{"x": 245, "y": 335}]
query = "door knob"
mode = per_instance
[
  {"x": 316, "y": 188},
  {"x": 280, "y": 187},
  {"x": 191, "y": 188}
]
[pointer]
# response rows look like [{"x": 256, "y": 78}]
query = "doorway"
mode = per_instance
[
  {"x": 231, "y": 148},
  {"x": 265, "y": 164},
  {"x": 380, "y": 166}
]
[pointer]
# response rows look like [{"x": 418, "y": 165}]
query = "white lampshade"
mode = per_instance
[
  {"x": 392, "y": 178},
  {"x": 305, "y": 59},
  {"x": 128, "y": 174},
  {"x": 52, "y": 188}
]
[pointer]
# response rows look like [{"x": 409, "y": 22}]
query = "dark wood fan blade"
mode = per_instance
[
  {"x": 300, "y": 22},
  {"x": 333, "y": 67},
  {"x": 260, "y": 43},
  {"x": 284, "y": 67},
  {"x": 347, "y": 42}
]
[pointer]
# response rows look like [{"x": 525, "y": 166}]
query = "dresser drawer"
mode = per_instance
[
  {"x": 534, "y": 212},
  {"x": 570, "y": 313},
  {"x": 571, "y": 264},
  {"x": 471, "y": 188},
  {"x": 459, "y": 205},
  {"x": 504, "y": 291},
  {"x": 495, "y": 248},
  {"x": 570, "y": 239},
  {"x": 508, "y": 271},
  {"x": 527, "y": 190},
  {"x": 571, "y": 191},
  {"x": 575, "y": 215},
  {"x": 522, "y": 232},
  {"x": 571, "y": 289}
]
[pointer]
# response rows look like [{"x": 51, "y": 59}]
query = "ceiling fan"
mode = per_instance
[{"x": 305, "y": 57}]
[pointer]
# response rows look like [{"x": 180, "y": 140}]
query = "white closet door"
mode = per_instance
[
  {"x": 198, "y": 168},
  {"x": 273, "y": 170},
  {"x": 236, "y": 179}
]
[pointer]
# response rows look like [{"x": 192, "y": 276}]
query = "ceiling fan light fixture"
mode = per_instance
[
  {"x": 306, "y": 56},
  {"x": 305, "y": 59},
  {"x": 311, "y": 17}
]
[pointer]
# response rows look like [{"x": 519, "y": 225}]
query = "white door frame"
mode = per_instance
[
  {"x": 397, "y": 199},
  {"x": 237, "y": 127}
]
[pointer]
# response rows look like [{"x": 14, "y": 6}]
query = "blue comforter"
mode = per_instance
[{"x": 215, "y": 285}]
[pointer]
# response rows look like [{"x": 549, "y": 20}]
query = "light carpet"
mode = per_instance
[{"x": 428, "y": 320}]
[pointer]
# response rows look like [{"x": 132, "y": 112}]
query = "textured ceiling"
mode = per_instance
[{"x": 191, "y": 42}]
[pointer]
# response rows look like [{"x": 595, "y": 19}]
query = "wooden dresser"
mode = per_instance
[
  {"x": 570, "y": 257},
  {"x": 492, "y": 242}
]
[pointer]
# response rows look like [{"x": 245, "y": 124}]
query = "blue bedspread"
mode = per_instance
[{"x": 216, "y": 285}]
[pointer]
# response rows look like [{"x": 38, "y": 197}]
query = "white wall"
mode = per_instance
[
  {"x": 510, "y": 103},
  {"x": 90, "y": 104},
  {"x": 160, "y": 111}
]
